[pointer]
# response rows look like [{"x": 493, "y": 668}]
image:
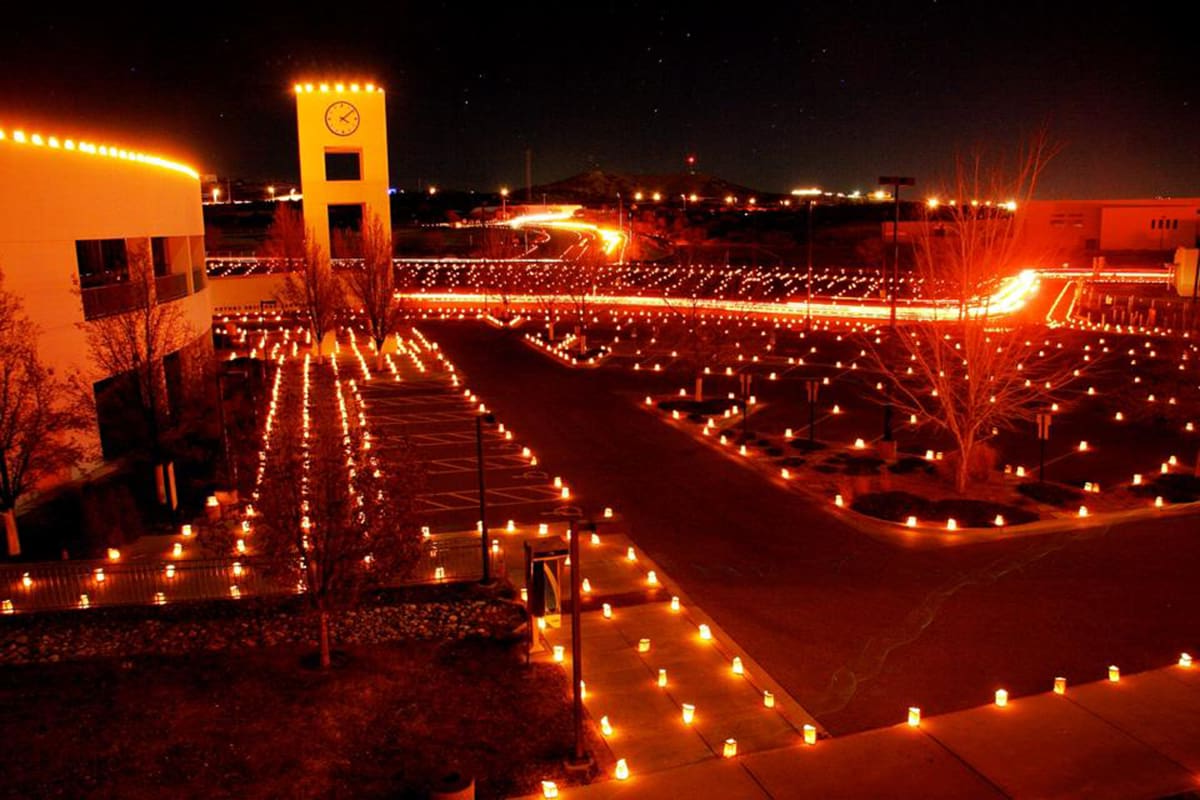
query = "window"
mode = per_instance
[
  {"x": 345, "y": 228},
  {"x": 121, "y": 426},
  {"x": 173, "y": 375},
  {"x": 341, "y": 165},
  {"x": 101, "y": 262},
  {"x": 160, "y": 257}
]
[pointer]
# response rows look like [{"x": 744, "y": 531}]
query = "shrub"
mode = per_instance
[
  {"x": 1052, "y": 494},
  {"x": 910, "y": 464},
  {"x": 967, "y": 513},
  {"x": 1174, "y": 487}
]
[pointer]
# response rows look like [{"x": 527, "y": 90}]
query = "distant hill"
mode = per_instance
[{"x": 591, "y": 188}]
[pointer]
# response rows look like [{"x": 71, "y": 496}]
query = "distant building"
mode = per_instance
[
  {"x": 73, "y": 215},
  {"x": 1132, "y": 231}
]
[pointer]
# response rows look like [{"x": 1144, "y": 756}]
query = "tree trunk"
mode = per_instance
[
  {"x": 699, "y": 388},
  {"x": 172, "y": 495},
  {"x": 962, "y": 474},
  {"x": 324, "y": 639},
  {"x": 160, "y": 483},
  {"x": 11, "y": 539}
]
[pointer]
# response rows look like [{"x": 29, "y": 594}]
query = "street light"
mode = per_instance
[
  {"x": 216, "y": 194},
  {"x": 580, "y": 757},
  {"x": 744, "y": 379},
  {"x": 895, "y": 182},
  {"x": 480, "y": 418},
  {"x": 271, "y": 191},
  {"x": 812, "y": 386},
  {"x": 809, "y": 244},
  {"x": 503, "y": 202},
  {"x": 1043, "y": 432}
]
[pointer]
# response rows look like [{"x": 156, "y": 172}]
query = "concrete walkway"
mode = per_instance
[
  {"x": 1138, "y": 737},
  {"x": 645, "y": 632}
]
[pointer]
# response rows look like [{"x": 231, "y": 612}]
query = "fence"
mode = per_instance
[{"x": 91, "y": 584}]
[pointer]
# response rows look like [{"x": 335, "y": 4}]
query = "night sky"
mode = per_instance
[{"x": 774, "y": 97}]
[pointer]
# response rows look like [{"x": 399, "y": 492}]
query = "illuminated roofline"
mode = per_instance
[
  {"x": 336, "y": 87},
  {"x": 19, "y": 137}
]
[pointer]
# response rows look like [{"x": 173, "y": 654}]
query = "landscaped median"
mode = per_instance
[
  {"x": 913, "y": 492},
  {"x": 566, "y": 350}
]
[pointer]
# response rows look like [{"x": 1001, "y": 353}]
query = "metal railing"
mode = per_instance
[
  {"x": 92, "y": 584},
  {"x": 170, "y": 287},
  {"x": 117, "y": 298}
]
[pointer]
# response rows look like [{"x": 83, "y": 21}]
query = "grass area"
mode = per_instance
[{"x": 255, "y": 724}]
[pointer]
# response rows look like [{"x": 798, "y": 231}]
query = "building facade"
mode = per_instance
[{"x": 78, "y": 223}]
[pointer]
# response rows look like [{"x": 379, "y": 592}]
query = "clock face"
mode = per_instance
[{"x": 341, "y": 118}]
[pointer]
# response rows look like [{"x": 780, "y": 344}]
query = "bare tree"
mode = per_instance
[
  {"x": 580, "y": 280},
  {"x": 333, "y": 517},
  {"x": 313, "y": 288},
  {"x": 373, "y": 285},
  {"x": 130, "y": 347},
  {"x": 40, "y": 425},
  {"x": 496, "y": 248},
  {"x": 702, "y": 342},
  {"x": 970, "y": 235},
  {"x": 285, "y": 238},
  {"x": 978, "y": 368}
]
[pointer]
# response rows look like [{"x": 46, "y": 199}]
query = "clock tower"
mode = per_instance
[{"x": 342, "y": 130}]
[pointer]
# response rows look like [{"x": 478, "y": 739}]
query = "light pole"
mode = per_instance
[
  {"x": 581, "y": 757},
  {"x": 745, "y": 378},
  {"x": 893, "y": 281},
  {"x": 809, "y": 243},
  {"x": 1043, "y": 431},
  {"x": 812, "y": 386},
  {"x": 481, "y": 417},
  {"x": 271, "y": 192},
  {"x": 503, "y": 203}
]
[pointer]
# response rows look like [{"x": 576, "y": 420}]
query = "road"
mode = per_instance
[{"x": 855, "y": 628}]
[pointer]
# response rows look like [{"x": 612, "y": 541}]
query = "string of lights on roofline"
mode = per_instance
[
  {"x": 65, "y": 145},
  {"x": 326, "y": 88}
]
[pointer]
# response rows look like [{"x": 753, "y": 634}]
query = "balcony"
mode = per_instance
[
  {"x": 171, "y": 287},
  {"x": 115, "y": 298}
]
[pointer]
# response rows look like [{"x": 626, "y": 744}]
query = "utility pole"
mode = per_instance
[
  {"x": 483, "y": 527},
  {"x": 809, "y": 243},
  {"x": 893, "y": 281},
  {"x": 528, "y": 175}
]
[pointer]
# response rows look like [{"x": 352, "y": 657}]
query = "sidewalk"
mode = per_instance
[
  {"x": 622, "y": 681},
  {"x": 1138, "y": 737}
]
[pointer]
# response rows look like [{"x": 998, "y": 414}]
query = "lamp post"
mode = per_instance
[
  {"x": 744, "y": 379},
  {"x": 812, "y": 386},
  {"x": 271, "y": 192},
  {"x": 503, "y": 202},
  {"x": 1043, "y": 432},
  {"x": 892, "y": 281},
  {"x": 480, "y": 418},
  {"x": 580, "y": 756},
  {"x": 809, "y": 245}
]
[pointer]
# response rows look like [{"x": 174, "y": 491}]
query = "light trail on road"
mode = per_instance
[{"x": 1012, "y": 296}]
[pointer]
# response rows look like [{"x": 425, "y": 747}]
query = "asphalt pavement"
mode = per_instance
[{"x": 854, "y": 628}]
